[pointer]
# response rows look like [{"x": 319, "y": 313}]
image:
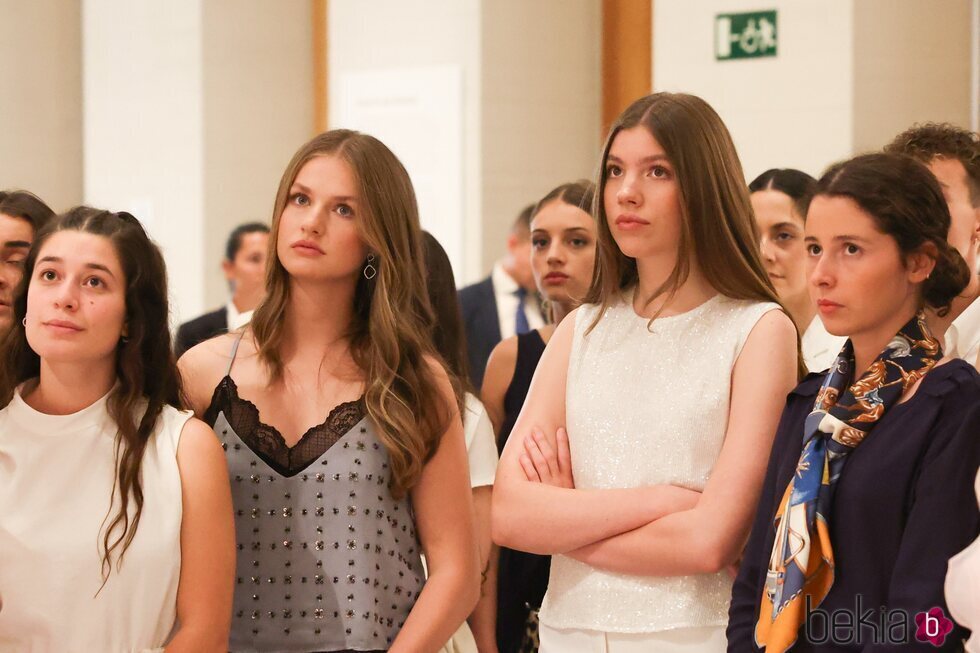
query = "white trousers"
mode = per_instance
[{"x": 680, "y": 640}]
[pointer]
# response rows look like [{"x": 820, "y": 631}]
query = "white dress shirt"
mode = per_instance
[
  {"x": 820, "y": 349},
  {"x": 505, "y": 293},
  {"x": 962, "y": 339},
  {"x": 237, "y": 320}
]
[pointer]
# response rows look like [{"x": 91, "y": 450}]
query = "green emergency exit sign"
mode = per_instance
[{"x": 745, "y": 35}]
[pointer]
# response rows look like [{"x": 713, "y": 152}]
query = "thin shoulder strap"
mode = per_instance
[{"x": 234, "y": 352}]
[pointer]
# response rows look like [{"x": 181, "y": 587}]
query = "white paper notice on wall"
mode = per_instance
[{"x": 418, "y": 114}]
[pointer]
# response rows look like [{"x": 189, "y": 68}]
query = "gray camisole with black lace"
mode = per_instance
[{"x": 327, "y": 559}]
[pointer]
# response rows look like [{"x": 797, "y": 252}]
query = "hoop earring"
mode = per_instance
[
  {"x": 24, "y": 321},
  {"x": 369, "y": 270}
]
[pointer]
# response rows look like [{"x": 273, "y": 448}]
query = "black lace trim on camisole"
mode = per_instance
[{"x": 267, "y": 442}]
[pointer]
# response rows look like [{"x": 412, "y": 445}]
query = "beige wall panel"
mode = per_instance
[
  {"x": 541, "y": 105},
  {"x": 41, "y": 103},
  {"x": 258, "y": 110},
  {"x": 911, "y": 64}
]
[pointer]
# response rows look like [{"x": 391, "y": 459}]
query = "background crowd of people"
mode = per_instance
[{"x": 682, "y": 413}]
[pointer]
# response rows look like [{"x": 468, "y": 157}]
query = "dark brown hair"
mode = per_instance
[
  {"x": 26, "y": 206},
  {"x": 905, "y": 201},
  {"x": 392, "y": 319},
  {"x": 522, "y": 225},
  {"x": 237, "y": 235},
  {"x": 932, "y": 140},
  {"x": 146, "y": 372},
  {"x": 580, "y": 194},
  {"x": 448, "y": 334},
  {"x": 795, "y": 184},
  {"x": 718, "y": 232}
]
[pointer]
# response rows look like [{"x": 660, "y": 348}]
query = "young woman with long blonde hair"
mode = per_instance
[{"x": 344, "y": 441}]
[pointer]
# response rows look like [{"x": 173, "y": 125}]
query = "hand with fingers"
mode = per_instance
[{"x": 543, "y": 463}]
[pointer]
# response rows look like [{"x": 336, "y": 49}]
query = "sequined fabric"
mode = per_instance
[
  {"x": 647, "y": 404},
  {"x": 327, "y": 559}
]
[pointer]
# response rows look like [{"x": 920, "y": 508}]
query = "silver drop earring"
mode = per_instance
[{"x": 369, "y": 270}]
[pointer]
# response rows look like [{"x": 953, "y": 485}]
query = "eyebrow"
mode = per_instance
[
  {"x": 782, "y": 225},
  {"x": 646, "y": 159},
  {"x": 843, "y": 238},
  {"x": 91, "y": 266},
  {"x": 569, "y": 230},
  {"x": 339, "y": 198},
  {"x": 17, "y": 244}
]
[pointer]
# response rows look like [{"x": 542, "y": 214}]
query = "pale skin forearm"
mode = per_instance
[
  {"x": 548, "y": 520},
  {"x": 445, "y": 601},
  {"x": 549, "y": 515},
  {"x": 677, "y": 545},
  {"x": 190, "y": 640},
  {"x": 483, "y": 620}
]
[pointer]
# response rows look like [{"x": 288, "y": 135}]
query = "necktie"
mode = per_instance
[{"x": 521, "y": 325}]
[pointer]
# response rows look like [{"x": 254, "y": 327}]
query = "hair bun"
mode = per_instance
[{"x": 948, "y": 279}]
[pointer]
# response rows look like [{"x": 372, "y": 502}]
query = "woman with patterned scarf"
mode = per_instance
[{"x": 869, "y": 487}]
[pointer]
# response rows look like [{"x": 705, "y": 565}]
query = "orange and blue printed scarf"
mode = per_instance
[{"x": 802, "y": 561}]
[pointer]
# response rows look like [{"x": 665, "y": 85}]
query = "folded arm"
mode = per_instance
[
  {"x": 540, "y": 518},
  {"x": 710, "y": 536}
]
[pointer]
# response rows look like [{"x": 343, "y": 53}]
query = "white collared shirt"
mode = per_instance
[
  {"x": 962, "y": 339},
  {"x": 820, "y": 348},
  {"x": 237, "y": 320},
  {"x": 505, "y": 293}
]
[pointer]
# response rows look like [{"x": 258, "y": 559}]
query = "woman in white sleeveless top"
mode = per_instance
[
  {"x": 116, "y": 532},
  {"x": 639, "y": 455}
]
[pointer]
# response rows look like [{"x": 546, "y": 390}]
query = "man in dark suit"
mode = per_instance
[
  {"x": 505, "y": 303},
  {"x": 244, "y": 268}
]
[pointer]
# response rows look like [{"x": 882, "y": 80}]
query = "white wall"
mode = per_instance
[
  {"x": 530, "y": 108},
  {"x": 190, "y": 115},
  {"x": 848, "y": 76},
  {"x": 541, "y": 112},
  {"x": 391, "y": 35},
  {"x": 41, "y": 102},
  {"x": 911, "y": 65},
  {"x": 144, "y": 128},
  {"x": 790, "y": 111},
  {"x": 258, "y": 110}
]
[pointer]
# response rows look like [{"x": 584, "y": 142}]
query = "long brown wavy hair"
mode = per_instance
[
  {"x": 718, "y": 232},
  {"x": 146, "y": 372},
  {"x": 392, "y": 317}
]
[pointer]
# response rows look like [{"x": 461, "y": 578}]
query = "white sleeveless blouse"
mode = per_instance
[
  {"x": 647, "y": 405},
  {"x": 56, "y": 478}
]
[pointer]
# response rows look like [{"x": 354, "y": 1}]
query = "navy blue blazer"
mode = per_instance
[
  {"x": 200, "y": 329},
  {"x": 479, "y": 308},
  {"x": 903, "y": 507}
]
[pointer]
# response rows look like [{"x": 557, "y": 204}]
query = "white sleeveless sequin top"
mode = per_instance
[{"x": 647, "y": 405}]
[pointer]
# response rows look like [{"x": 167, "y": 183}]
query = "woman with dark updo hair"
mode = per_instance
[{"x": 869, "y": 489}]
